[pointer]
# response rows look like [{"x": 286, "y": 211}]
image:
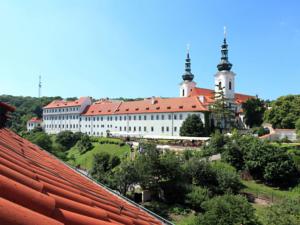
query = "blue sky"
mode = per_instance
[{"x": 136, "y": 48}]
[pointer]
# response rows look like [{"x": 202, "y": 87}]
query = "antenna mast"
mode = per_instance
[{"x": 40, "y": 85}]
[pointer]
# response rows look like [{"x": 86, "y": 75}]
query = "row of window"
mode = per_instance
[
  {"x": 68, "y": 109},
  {"x": 134, "y": 129},
  {"x": 63, "y": 117},
  {"x": 135, "y": 117}
]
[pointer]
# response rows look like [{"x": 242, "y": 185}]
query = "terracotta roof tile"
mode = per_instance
[
  {"x": 64, "y": 103},
  {"x": 156, "y": 105},
  {"x": 37, "y": 188},
  {"x": 35, "y": 120}
]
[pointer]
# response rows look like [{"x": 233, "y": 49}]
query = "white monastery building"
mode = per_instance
[
  {"x": 33, "y": 123},
  {"x": 149, "y": 117}
]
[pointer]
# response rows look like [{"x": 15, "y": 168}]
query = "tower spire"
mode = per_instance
[
  {"x": 188, "y": 76},
  {"x": 224, "y": 64}
]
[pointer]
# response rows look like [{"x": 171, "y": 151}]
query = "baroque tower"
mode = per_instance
[
  {"x": 224, "y": 78},
  {"x": 187, "y": 85}
]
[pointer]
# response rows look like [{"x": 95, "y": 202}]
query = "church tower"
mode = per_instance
[
  {"x": 224, "y": 78},
  {"x": 187, "y": 85}
]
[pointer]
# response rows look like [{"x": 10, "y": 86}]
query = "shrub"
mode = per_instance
[
  {"x": 196, "y": 197},
  {"x": 84, "y": 144},
  {"x": 67, "y": 139},
  {"x": 229, "y": 210},
  {"x": 192, "y": 127}
]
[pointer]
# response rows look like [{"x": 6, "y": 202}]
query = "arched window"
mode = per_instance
[
  {"x": 183, "y": 93},
  {"x": 230, "y": 85},
  {"x": 220, "y": 85}
]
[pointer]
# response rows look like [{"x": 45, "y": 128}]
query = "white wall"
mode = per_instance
[{"x": 186, "y": 87}]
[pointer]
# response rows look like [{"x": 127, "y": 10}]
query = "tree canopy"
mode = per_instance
[
  {"x": 254, "y": 109},
  {"x": 192, "y": 127},
  {"x": 284, "y": 112}
]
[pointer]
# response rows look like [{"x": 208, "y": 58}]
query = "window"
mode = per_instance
[
  {"x": 220, "y": 85},
  {"x": 162, "y": 117},
  {"x": 157, "y": 117},
  {"x": 140, "y": 129},
  {"x": 229, "y": 85},
  {"x": 167, "y": 129},
  {"x": 152, "y": 117},
  {"x": 175, "y": 117},
  {"x": 129, "y": 128},
  {"x": 180, "y": 116},
  {"x": 152, "y": 129},
  {"x": 134, "y": 117},
  {"x": 182, "y": 92},
  {"x": 134, "y": 128},
  {"x": 145, "y": 129},
  {"x": 169, "y": 116},
  {"x": 175, "y": 129},
  {"x": 162, "y": 129},
  {"x": 129, "y": 117},
  {"x": 140, "y": 117},
  {"x": 145, "y": 117}
]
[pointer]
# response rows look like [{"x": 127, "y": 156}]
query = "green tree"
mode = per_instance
[
  {"x": 125, "y": 176},
  {"x": 196, "y": 196},
  {"x": 298, "y": 127},
  {"x": 84, "y": 144},
  {"x": 192, "y": 127},
  {"x": 284, "y": 112},
  {"x": 229, "y": 210},
  {"x": 41, "y": 139},
  {"x": 222, "y": 111},
  {"x": 67, "y": 139},
  {"x": 254, "y": 110},
  {"x": 286, "y": 212}
]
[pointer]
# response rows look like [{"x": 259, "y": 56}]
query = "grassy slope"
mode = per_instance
[
  {"x": 270, "y": 192},
  {"x": 86, "y": 160}
]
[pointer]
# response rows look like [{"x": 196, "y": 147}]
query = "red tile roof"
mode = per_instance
[
  {"x": 37, "y": 188},
  {"x": 63, "y": 103},
  {"x": 209, "y": 94},
  {"x": 35, "y": 120},
  {"x": 156, "y": 105}
]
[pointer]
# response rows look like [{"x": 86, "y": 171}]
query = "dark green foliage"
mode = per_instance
[
  {"x": 285, "y": 112},
  {"x": 84, "y": 144},
  {"x": 266, "y": 162},
  {"x": 254, "y": 109},
  {"x": 196, "y": 196},
  {"x": 285, "y": 213},
  {"x": 227, "y": 210},
  {"x": 124, "y": 176},
  {"x": 26, "y": 108},
  {"x": 298, "y": 127},
  {"x": 102, "y": 168},
  {"x": 215, "y": 144},
  {"x": 41, "y": 139},
  {"x": 68, "y": 139},
  {"x": 260, "y": 131},
  {"x": 227, "y": 178},
  {"x": 192, "y": 127}
]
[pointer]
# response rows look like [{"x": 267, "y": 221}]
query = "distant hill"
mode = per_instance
[{"x": 26, "y": 108}]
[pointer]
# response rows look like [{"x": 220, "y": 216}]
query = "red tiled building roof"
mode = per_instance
[
  {"x": 38, "y": 189},
  {"x": 155, "y": 105},
  {"x": 35, "y": 120},
  {"x": 209, "y": 94},
  {"x": 63, "y": 103}
]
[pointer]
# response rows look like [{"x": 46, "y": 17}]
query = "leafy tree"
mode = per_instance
[
  {"x": 222, "y": 111},
  {"x": 215, "y": 144},
  {"x": 229, "y": 210},
  {"x": 284, "y": 112},
  {"x": 67, "y": 139},
  {"x": 41, "y": 139},
  {"x": 286, "y": 212},
  {"x": 227, "y": 178},
  {"x": 125, "y": 176},
  {"x": 197, "y": 196},
  {"x": 298, "y": 127},
  {"x": 26, "y": 108},
  {"x": 102, "y": 167},
  {"x": 84, "y": 144},
  {"x": 254, "y": 109},
  {"x": 192, "y": 127}
]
